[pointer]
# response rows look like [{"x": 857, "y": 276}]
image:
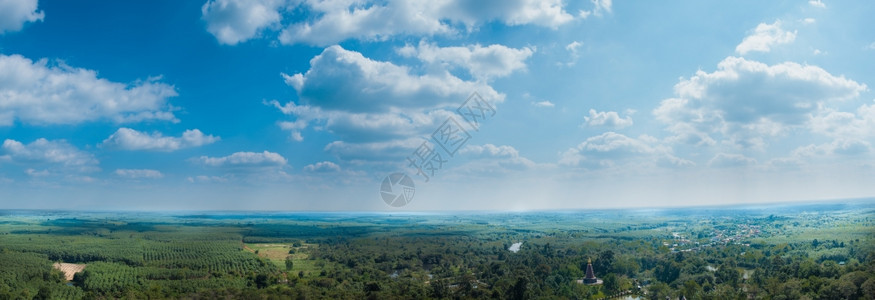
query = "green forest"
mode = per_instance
[{"x": 805, "y": 251}]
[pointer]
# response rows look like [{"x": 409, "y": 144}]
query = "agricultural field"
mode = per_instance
[
  {"x": 809, "y": 250},
  {"x": 69, "y": 269}
]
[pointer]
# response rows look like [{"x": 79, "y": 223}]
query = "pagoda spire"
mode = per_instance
[{"x": 590, "y": 275}]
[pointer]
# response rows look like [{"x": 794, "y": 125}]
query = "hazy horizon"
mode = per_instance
[{"x": 735, "y": 206}]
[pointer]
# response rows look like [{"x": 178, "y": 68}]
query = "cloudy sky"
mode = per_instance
[{"x": 308, "y": 105}]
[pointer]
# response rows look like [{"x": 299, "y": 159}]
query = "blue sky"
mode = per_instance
[{"x": 308, "y": 105}]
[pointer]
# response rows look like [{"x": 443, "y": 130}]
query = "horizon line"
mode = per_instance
[{"x": 467, "y": 211}]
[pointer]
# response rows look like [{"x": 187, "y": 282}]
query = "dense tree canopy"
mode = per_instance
[{"x": 440, "y": 257}]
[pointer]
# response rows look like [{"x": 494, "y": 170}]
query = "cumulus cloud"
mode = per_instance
[
  {"x": 46, "y": 153},
  {"x": 322, "y": 167},
  {"x": 38, "y": 92},
  {"x": 361, "y": 127},
  {"x": 245, "y": 159},
  {"x": 845, "y": 125},
  {"x": 608, "y": 119},
  {"x": 838, "y": 146},
  {"x": 130, "y": 139},
  {"x": 764, "y": 37},
  {"x": 746, "y": 101},
  {"x": 235, "y": 21},
  {"x": 14, "y": 13},
  {"x": 293, "y": 127},
  {"x": 487, "y": 160},
  {"x": 138, "y": 173},
  {"x": 342, "y": 20},
  {"x": 364, "y": 152},
  {"x": 481, "y": 62},
  {"x": 817, "y": 3},
  {"x": 340, "y": 79},
  {"x": 610, "y": 148},
  {"x": 725, "y": 160},
  {"x": 599, "y": 7},
  {"x": 251, "y": 167},
  {"x": 372, "y": 104},
  {"x": 490, "y": 150}
]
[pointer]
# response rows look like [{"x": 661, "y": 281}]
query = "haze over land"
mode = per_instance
[{"x": 308, "y": 105}]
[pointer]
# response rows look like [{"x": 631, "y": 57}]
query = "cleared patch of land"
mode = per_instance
[
  {"x": 276, "y": 253},
  {"x": 69, "y": 270}
]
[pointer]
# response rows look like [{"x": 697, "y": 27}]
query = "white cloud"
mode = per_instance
[
  {"x": 838, "y": 150},
  {"x": 845, "y": 125},
  {"x": 764, "y": 37},
  {"x": 380, "y": 151},
  {"x": 871, "y": 46},
  {"x": 293, "y": 127},
  {"x": 599, "y": 7},
  {"x": 544, "y": 103},
  {"x": 492, "y": 160},
  {"x": 746, "y": 101},
  {"x": 34, "y": 173},
  {"x": 490, "y": 150},
  {"x": 43, "y": 152},
  {"x": 361, "y": 127},
  {"x": 481, "y": 62},
  {"x": 40, "y": 93},
  {"x": 340, "y": 79},
  {"x": 322, "y": 167},
  {"x": 235, "y": 21},
  {"x": 371, "y": 104},
  {"x": 610, "y": 148},
  {"x": 725, "y": 160},
  {"x": 239, "y": 167},
  {"x": 245, "y": 159},
  {"x": 573, "y": 49},
  {"x": 206, "y": 179},
  {"x": 364, "y": 20},
  {"x": 809, "y": 20},
  {"x": 608, "y": 119},
  {"x": 129, "y": 139},
  {"x": 817, "y": 3},
  {"x": 838, "y": 146},
  {"x": 139, "y": 173},
  {"x": 573, "y": 46},
  {"x": 14, "y": 13}
]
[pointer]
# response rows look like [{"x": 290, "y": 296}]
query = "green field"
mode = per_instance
[{"x": 813, "y": 251}]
